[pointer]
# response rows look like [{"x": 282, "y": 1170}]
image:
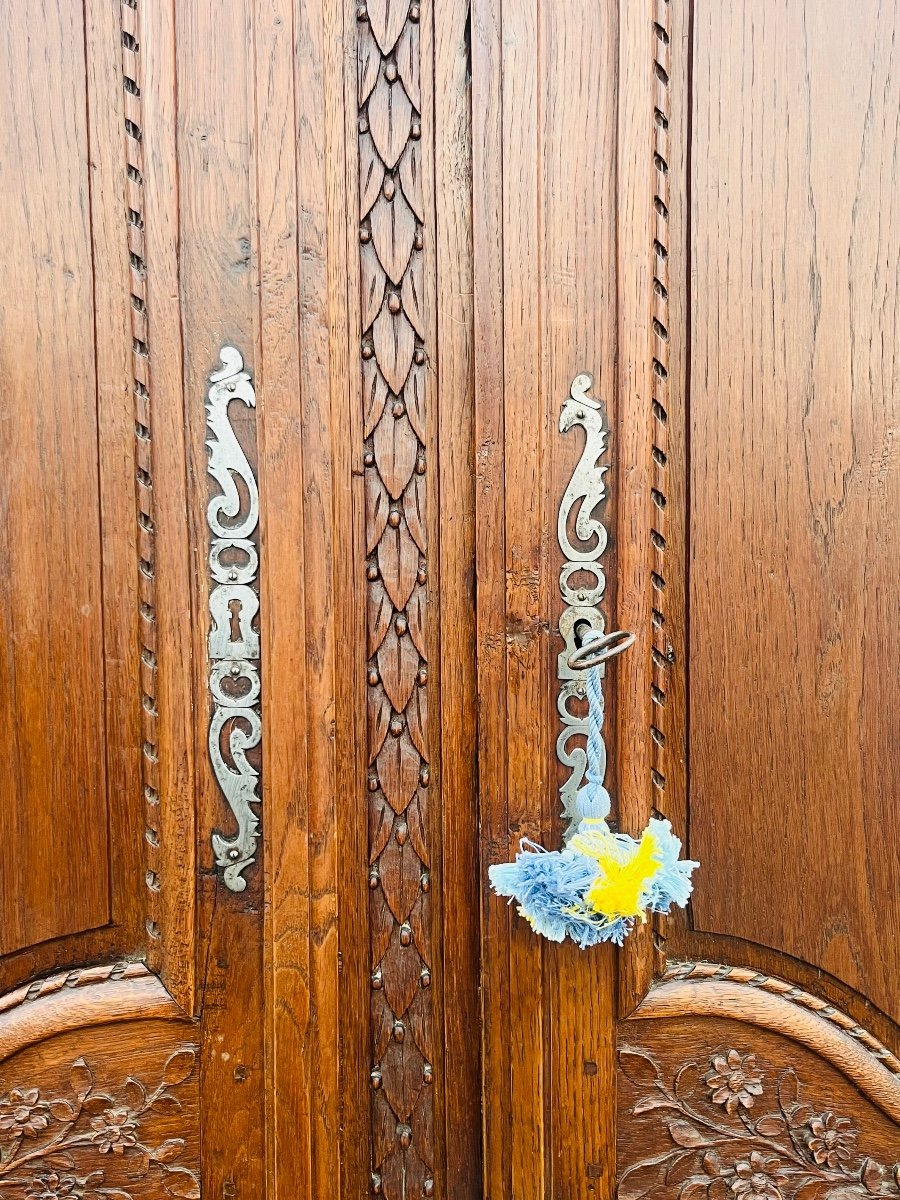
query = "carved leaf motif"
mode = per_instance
[
  {"x": 418, "y": 1019},
  {"x": 375, "y": 394},
  {"x": 411, "y": 292},
  {"x": 382, "y": 1023},
  {"x": 379, "y": 714},
  {"x": 401, "y": 968},
  {"x": 378, "y": 507},
  {"x": 371, "y": 175},
  {"x": 398, "y": 661},
  {"x": 402, "y": 1070},
  {"x": 417, "y": 720},
  {"x": 639, "y": 1067},
  {"x": 411, "y": 179},
  {"x": 394, "y": 347},
  {"x": 398, "y": 561},
  {"x": 393, "y": 234},
  {"x": 408, "y": 58},
  {"x": 415, "y": 615},
  {"x": 381, "y": 824},
  {"x": 414, "y": 398},
  {"x": 404, "y": 1175},
  {"x": 416, "y": 827},
  {"x": 372, "y": 281},
  {"x": 387, "y": 18},
  {"x": 414, "y": 511},
  {"x": 384, "y": 1123},
  {"x": 390, "y": 120},
  {"x": 368, "y": 62},
  {"x": 379, "y": 613},
  {"x": 381, "y": 927},
  {"x": 398, "y": 771},
  {"x": 395, "y": 449},
  {"x": 400, "y": 872}
]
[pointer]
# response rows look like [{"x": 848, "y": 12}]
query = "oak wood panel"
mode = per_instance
[
  {"x": 55, "y": 787},
  {"x": 218, "y": 281},
  {"x": 794, "y": 486},
  {"x": 545, "y": 288}
]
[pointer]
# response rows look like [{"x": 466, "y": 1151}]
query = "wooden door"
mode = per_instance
[{"x": 294, "y": 295}]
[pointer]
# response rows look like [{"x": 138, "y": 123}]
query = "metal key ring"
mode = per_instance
[{"x": 597, "y": 650}]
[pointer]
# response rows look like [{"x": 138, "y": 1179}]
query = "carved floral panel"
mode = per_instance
[
  {"x": 100, "y": 1131},
  {"x": 751, "y": 1117}
]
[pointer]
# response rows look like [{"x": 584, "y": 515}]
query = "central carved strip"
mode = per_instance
[{"x": 394, "y": 390}]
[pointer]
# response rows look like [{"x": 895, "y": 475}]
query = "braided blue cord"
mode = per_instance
[{"x": 596, "y": 747}]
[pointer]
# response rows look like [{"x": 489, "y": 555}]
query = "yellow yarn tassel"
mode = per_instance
[{"x": 624, "y": 873}]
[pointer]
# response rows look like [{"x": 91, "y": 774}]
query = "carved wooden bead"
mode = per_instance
[
  {"x": 369, "y": 459},
  {"x": 404, "y": 1136},
  {"x": 416, "y": 131},
  {"x": 420, "y": 465},
  {"x": 390, "y": 189},
  {"x": 373, "y": 783},
  {"x": 399, "y": 1031},
  {"x": 405, "y": 934},
  {"x": 394, "y": 306},
  {"x": 398, "y": 408},
  {"x": 376, "y": 1184},
  {"x": 421, "y": 575},
  {"x": 425, "y": 882},
  {"x": 365, "y": 234},
  {"x": 419, "y": 357},
  {"x": 390, "y": 72},
  {"x": 377, "y": 980},
  {"x": 428, "y": 1187},
  {"x": 373, "y": 878},
  {"x": 371, "y": 572},
  {"x": 363, "y": 125},
  {"x": 428, "y": 1074},
  {"x": 402, "y": 833},
  {"x": 375, "y": 1078},
  {"x": 425, "y": 978},
  {"x": 414, "y": 13},
  {"x": 419, "y": 242},
  {"x": 401, "y": 625},
  {"x": 394, "y": 518},
  {"x": 361, "y": 13},
  {"x": 422, "y": 676},
  {"x": 373, "y": 678},
  {"x": 367, "y": 351},
  {"x": 424, "y": 777},
  {"x": 396, "y": 726}
]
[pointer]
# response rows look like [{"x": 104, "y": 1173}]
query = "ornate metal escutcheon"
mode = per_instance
[
  {"x": 234, "y": 682},
  {"x": 582, "y": 539}
]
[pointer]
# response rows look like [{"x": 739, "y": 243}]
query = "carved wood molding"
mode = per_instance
[
  {"x": 80, "y": 999},
  {"x": 710, "y": 990},
  {"x": 140, "y": 383},
  {"x": 394, "y": 370}
]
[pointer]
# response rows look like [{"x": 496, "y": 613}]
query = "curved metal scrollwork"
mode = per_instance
[
  {"x": 582, "y": 539},
  {"x": 233, "y": 515}
]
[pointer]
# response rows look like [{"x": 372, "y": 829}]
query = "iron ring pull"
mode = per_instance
[{"x": 597, "y": 648}]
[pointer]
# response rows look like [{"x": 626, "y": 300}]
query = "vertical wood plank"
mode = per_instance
[
  {"x": 216, "y": 171},
  {"x": 453, "y": 519},
  {"x": 173, "y": 953}
]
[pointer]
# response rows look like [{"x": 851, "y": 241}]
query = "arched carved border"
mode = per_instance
[
  {"x": 80, "y": 1000},
  {"x": 712, "y": 990}
]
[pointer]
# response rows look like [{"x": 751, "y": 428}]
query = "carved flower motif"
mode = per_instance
[
  {"x": 47, "y": 1187},
  {"x": 831, "y": 1140},
  {"x": 114, "y": 1130},
  {"x": 22, "y": 1115},
  {"x": 757, "y": 1178},
  {"x": 734, "y": 1080}
]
